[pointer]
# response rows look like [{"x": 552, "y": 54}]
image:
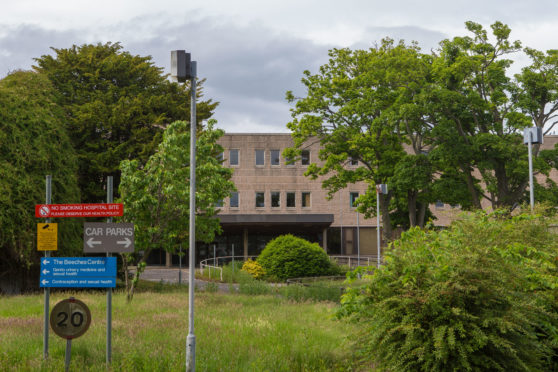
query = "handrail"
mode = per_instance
[
  {"x": 351, "y": 261},
  {"x": 215, "y": 260},
  {"x": 354, "y": 261}
]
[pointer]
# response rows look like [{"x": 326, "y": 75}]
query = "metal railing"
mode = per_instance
[
  {"x": 354, "y": 261},
  {"x": 217, "y": 262}
]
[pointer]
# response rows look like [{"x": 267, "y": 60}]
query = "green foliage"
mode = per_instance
[
  {"x": 33, "y": 144},
  {"x": 480, "y": 295},
  {"x": 290, "y": 257},
  {"x": 157, "y": 194},
  {"x": 406, "y": 116},
  {"x": 253, "y": 268},
  {"x": 312, "y": 292},
  {"x": 116, "y": 106}
]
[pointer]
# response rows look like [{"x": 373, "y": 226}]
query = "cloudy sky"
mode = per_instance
[{"x": 251, "y": 52}]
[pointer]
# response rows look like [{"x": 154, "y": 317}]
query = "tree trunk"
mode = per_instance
[
  {"x": 471, "y": 187},
  {"x": 422, "y": 214},
  {"x": 412, "y": 206}
]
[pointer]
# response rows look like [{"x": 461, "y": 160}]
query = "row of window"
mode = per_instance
[
  {"x": 274, "y": 156},
  {"x": 275, "y": 199}
]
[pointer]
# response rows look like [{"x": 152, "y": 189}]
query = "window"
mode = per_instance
[
  {"x": 275, "y": 157},
  {"x": 305, "y": 200},
  {"x": 219, "y": 203},
  {"x": 275, "y": 199},
  {"x": 260, "y": 156},
  {"x": 353, "y": 161},
  {"x": 439, "y": 204},
  {"x": 260, "y": 199},
  {"x": 305, "y": 157},
  {"x": 220, "y": 157},
  {"x": 291, "y": 200},
  {"x": 352, "y": 199},
  {"x": 290, "y": 162},
  {"x": 234, "y": 199},
  {"x": 233, "y": 157}
]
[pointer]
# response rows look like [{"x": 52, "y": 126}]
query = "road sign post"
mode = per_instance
[
  {"x": 47, "y": 236},
  {"x": 100, "y": 237},
  {"x": 47, "y": 290},
  {"x": 79, "y": 210},
  {"x": 78, "y": 272},
  {"x": 69, "y": 319}
]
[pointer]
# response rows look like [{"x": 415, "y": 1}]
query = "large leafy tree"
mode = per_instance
[
  {"x": 157, "y": 194},
  {"x": 33, "y": 143},
  {"x": 116, "y": 106},
  {"x": 482, "y": 111},
  {"x": 361, "y": 106}
]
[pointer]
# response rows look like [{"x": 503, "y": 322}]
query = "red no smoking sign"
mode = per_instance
[{"x": 79, "y": 210}]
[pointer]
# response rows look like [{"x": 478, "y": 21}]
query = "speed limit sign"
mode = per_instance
[{"x": 70, "y": 318}]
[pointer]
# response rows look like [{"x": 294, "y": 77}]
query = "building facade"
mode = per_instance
[{"x": 274, "y": 197}]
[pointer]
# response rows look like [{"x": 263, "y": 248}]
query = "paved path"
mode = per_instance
[{"x": 170, "y": 275}]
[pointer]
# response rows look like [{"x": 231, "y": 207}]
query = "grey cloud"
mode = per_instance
[
  {"x": 19, "y": 45},
  {"x": 427, "y": 39}
]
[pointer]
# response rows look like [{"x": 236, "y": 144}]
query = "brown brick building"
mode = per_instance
[{"x": 275, "y": 198}]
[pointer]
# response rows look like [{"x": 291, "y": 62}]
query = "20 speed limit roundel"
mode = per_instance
[{"x": 70, "y": 318}]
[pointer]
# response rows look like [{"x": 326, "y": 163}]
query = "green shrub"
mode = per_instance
[
  {"x": 480, "y": 295},
  {"x": 290, "y": 257},
  {"x": 253, "y": 268}
]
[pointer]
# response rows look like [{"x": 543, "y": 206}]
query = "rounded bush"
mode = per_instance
[
  {"x": 290, "y": 257},
  {"x": 254, "y": 269}
]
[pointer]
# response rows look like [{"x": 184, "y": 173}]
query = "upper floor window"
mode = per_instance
[
  {"x": 353, "y": 161},
  {"x": 233, "y": 157},
  {"x": 260, "y": 199},
  {"x": 219, "y": 203},
  {"x": 305, "y": 199},
  {"x": 260, "y": 157},
  {"x": 220, "y": 157},
  {"x": 275, "y": 157},
  {"x": 234, "y": 199},
  {"x": 353, "y": 196},
  {"x": 275, "y": 199},
  {"x": 291, "y": 200},
  {"x": 305, "y": 157}
]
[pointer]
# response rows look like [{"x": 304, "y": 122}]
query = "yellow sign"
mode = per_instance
[{"x": 47, "y": 236}]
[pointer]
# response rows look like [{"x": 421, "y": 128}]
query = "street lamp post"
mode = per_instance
[
  {"x": 532, "y": 136},
  {"x": 183, "y": 69},
  {"x": 380, "y": 189}
]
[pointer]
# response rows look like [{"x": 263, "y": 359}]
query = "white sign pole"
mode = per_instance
[{"x": 191, "y": 338}]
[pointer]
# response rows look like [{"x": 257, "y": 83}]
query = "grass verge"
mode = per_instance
[{"x": 233, "y": 333}]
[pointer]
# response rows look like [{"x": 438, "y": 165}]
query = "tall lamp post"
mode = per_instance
[
  {"x": 532, "y": 136},
  {"x": 183, "y": 69},
  {"x": 380, "y": 189}
]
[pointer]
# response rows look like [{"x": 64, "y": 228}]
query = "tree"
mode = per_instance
[
  {"x": 33, "y": 143},
  {"x": 116, "y": 107},
  {"x": 157, "y": 197},
  {"x": 479, "y": 116},
  {"x": 355, "y": 106}
]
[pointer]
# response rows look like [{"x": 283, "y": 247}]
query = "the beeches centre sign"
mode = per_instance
[{"x": 79, "y": 210}]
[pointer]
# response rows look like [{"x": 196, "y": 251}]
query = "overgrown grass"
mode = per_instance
[{"x": 233, "y": 333}]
